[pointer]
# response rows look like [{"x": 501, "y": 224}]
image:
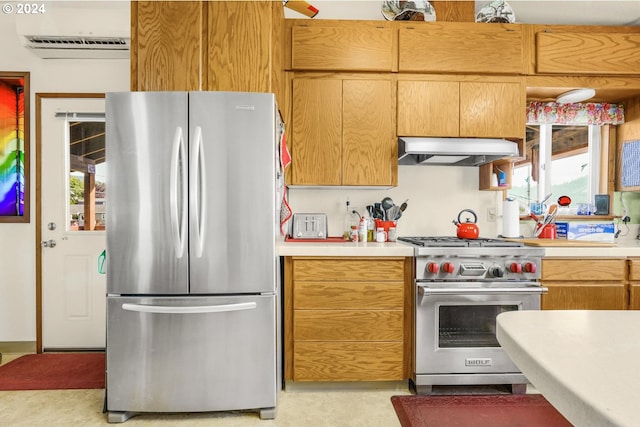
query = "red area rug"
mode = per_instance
[
  {"x": 53, "y": 371},
  {"x": 523, "y": 410}
]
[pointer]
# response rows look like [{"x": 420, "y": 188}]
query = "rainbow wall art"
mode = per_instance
[{"x": 12, "y": 174}]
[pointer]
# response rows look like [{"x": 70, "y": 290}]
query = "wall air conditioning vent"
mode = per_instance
[
  {"x": 78, "y": 30},
  {"x": 78, "y": 42}
]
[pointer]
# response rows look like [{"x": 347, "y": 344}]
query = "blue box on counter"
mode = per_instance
[
  {"x": 590, "y": 232},
  {"x": 561, "y": 230}
]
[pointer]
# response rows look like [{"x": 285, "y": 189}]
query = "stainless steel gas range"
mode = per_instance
[{"x": 460, "y": 287}]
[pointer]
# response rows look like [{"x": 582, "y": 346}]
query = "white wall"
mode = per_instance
[{"x": 17, "y": 241}]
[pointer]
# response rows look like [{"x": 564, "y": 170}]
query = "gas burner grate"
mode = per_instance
[{"x": 450, "y": 241}]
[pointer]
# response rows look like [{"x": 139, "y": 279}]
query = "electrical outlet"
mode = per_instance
[{"x": 491, "y": 214}]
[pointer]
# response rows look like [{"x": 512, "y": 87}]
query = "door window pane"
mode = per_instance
[{"x": 87, "y": 175}]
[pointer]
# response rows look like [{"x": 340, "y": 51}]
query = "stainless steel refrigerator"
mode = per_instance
[{"x": 193, "y": 189}]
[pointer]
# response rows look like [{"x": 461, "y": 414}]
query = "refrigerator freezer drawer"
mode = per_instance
[{"x": 191, "y": 354}]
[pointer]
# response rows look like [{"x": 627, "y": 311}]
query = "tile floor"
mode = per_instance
[{"x": 304, "y": 406}]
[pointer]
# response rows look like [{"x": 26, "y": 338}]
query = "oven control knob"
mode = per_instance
[
  {"x": 497, "y": 272},
  {"x": 448, "y": 267},
  {"x": 515, "y": 268},
  {"x": 530, "y": 267},
  {"x": 432, "y": 267}
]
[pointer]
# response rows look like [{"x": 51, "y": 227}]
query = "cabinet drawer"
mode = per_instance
[
  {"x": 354, "y": 48},
  {"x": 349, "y": 295},
  {"x": 634, "y": 296},
  {"x": 584, "y": 296},
  {"x": 634, "y": 269},
  {"x": 379, "y": 270},
  {"x": 348, "y": 361},
  {"x": 589, "y": 269},
  {"x": 436, "y": 48},
  {"x": 587, "y": 53},
  {"x": 343, "y": 325}
]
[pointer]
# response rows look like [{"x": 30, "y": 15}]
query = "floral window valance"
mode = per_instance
[{"x": 541, "y": 113}]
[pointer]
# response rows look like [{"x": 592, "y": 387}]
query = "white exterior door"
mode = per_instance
[{"x": 73, "y": 286}]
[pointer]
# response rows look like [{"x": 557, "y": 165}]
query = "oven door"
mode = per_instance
[{"x": 456, "y": 325}]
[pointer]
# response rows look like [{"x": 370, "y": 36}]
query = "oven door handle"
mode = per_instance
[{"x": 425, "y": 291}]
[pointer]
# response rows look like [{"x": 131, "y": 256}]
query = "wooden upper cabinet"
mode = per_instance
[
  {"x": 166, "y": 45},
  {"x": 369, "y": 146},
  {"x": 342, "y": 46},
  {"x": 492, "y": 109},
  {"x": 587, "y": 52},
  {"x": 343, "y": 132},
  {"x": 455, "y": 47},
  {"x": 245, "y": 44},
  {"x": 207, "y": 45},
  {"x": 316, "y": 142},
  {"x": 451, "y": 106},
  {"x": 428, "y": 108}
]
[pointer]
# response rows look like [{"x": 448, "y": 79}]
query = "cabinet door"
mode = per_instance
[
  {"x": 455, "y": 47},
  {"x": 342, "y": 46},
  {"x": 369, "y": 147},
  {"x": 316, "y": 144},
  {"x": 584, "y": 296},
  {"x": 587, "y": 53},
  {"x": 241, "y": 47},
  {"x": 428, "y": 108},
  {"x": 166, "y": 45},
  {"x": 492, "y": 109},
  {"x": 634, "y": 296}
]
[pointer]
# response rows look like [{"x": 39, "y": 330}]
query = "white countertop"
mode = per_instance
[
  {"x": 623, "y": 248},
  {"x": 320, "y": 248},
  {"x": 585, "y": 362}
]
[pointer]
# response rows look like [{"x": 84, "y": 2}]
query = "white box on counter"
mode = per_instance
[{"x": 591, "y": 232}]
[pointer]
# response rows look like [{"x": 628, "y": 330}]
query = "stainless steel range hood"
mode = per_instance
[{"x": 453, "y": 151}]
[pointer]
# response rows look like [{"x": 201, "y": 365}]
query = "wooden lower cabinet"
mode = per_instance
[
  {"x": 585, "y": 284},
  {"x": 347, "y": 319},
  {"x": 634, "y": 283}
]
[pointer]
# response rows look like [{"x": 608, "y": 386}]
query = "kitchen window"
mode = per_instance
[
  {"x": 562, "y": 160},
  {"x": 566, "y": 153}
]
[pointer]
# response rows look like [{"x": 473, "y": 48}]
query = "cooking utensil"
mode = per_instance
[
  {"x": 394, "y": 212},
  {"x": 403, "y": 206},
  {"x": 549, "y": 218},
  {"x": 467, "y": 229},
  {"x": 547, "y": 197},
  {"x": 386, "y": 203}
]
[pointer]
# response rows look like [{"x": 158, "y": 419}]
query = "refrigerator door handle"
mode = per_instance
[
  {"x": 198, "y": 197},
  {"x": 188, "y": 310},
  {"x": 178, "y": 188}
]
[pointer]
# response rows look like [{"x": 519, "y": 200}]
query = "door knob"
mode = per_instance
[{"x": 48, "y": 244}]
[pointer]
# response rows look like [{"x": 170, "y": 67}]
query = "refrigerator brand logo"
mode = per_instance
[{"x": 478, "y": 362}]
